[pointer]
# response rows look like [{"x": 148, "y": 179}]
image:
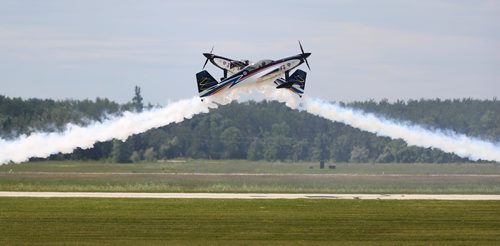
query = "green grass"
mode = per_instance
[
  {"x": 200, "y": 221},
  {"x": 243, "y": 166},
  {"x": 296, "y": 183},
  {"x": 245, "y": 176}
]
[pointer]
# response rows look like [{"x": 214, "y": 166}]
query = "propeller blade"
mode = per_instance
[
  {"x": 307, "y": 63},
  {"x": 301, "y": 47},
  {"x": 206, "y": 61},
  {"x": 305, "y": 59}
]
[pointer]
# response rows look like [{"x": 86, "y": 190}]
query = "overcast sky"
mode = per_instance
[{"x": 360, "y": 49}]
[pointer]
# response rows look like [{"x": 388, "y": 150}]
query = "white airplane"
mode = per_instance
[{"x": 241, "y": 72}]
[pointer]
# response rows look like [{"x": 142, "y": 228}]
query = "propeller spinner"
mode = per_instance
[{"x": 208, "y": 56}]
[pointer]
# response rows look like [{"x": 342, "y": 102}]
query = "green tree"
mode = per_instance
[
  {"x": 300, "y": 150},
  {"x": 386, "y": 156},
  {"x": 121, "y": 152},
  {"x": 150, "y": 154},
  {"x": 170, "y": 149},
  {"x": 267, "y": 129},
  {"x": 137, "y": 100},
  {"x": 135, "y": 157},
  {"x": 320, "y": 151},
  {"x": 255, "y": 150},
  {"x": 359, "y": 154},
  {"x": 232, "y": 143},
  {"x": 340, "y": 148}
]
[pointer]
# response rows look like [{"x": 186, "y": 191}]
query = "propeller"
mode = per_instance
[
  {"x": 207, "y": 55},
  {"x": 305, "y": 55}
]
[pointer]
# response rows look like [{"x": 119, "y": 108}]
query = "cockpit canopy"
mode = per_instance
[{"x": 258, "y": 65}]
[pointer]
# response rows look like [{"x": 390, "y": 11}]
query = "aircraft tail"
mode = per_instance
[
  {"x": 296, "y": 83},
  {"x": 205, "y": 81},
  {"x": 299, "y": 78}
]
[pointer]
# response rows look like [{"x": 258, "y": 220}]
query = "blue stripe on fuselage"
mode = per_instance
[{"x": 221, "y": 86}]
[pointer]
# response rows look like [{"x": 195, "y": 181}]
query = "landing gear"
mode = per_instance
[{"x": 225, "y": 76}]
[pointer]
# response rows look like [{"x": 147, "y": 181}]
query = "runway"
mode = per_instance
[{"x": 252, "y": 196}]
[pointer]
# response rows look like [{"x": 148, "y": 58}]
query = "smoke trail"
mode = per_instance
[
  {"x": 447, "y": 141},
  {"x": 45, "y": 144}
]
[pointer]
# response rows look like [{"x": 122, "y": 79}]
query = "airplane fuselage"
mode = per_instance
[{"x": 254, "y": 73}]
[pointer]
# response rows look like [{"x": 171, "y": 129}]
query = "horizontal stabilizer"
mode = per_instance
[{"x": 285, "y": 85}]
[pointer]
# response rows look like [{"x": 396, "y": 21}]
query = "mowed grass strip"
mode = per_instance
[
  {"x": 277, "y": 183},
  {"x": 205, "y": 221},
  {"x": 244, "y": 166}
]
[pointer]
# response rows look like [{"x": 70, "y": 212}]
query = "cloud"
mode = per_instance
[
  {"x": 363, "y": 41},
  {"x": 356, "y": 48},
  {"x": 400, "y": 64},
  {"x": 40, "y": 44}
]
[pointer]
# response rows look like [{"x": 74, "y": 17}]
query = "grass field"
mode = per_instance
[
  {"x": 243, "y": 176},
  {"x": 299, "y": 183},
  {"x": 201, "y": 221},
  {"x": 198, "y": 221},
  {"x": 243, "y": 166}
]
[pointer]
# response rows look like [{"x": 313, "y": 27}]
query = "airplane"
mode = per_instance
[{"x": 236, "y": 73}]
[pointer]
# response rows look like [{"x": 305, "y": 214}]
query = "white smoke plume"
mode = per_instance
[
  {"x": 44, "y": 144},
  {"x": 447, "y": 141}
]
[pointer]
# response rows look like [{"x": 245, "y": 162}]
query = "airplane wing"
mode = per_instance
[{"x": 226, "y": 64}]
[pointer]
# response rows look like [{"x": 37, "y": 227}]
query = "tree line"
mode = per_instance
[{"x": 257, "y": 130}]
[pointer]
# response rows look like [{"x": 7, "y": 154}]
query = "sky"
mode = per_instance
[{"x": 361, "y": 50}]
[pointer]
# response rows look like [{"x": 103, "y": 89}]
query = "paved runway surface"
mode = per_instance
[{"x": 250, "y": 196}]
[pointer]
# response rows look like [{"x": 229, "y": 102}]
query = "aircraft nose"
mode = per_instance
[
  {"x": 207, "y": 55},
  {"x": 305, "y": 55}
]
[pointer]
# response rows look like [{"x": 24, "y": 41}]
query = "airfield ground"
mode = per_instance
[
  {"x": 252, "y": 196},
  {"x": 243, "y": 166},
  {"x": 243, "y": 176},
  {"x": 261, "y": 221},
  {"x": 202, "y": 221}
]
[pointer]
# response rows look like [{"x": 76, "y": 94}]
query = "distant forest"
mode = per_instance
[{"x": 257, "y": 130}]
